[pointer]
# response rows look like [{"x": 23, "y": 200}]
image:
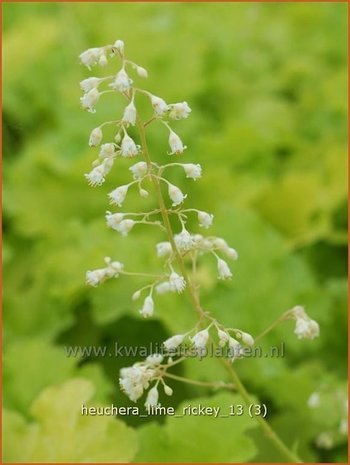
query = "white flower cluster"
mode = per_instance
[
  {"x": 186, "y": 241},
  {"x": 201, "y": 338},
  {"x": 305, "y": 327},
  {"x": 112, "y": 270},
  {"x": 136, "y": 379}
]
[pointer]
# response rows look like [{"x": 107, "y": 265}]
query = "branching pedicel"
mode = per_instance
[{"x": 178, "y": 248}]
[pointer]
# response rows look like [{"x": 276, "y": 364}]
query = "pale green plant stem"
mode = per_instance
[
  {"x": 216, "y": 385},
  {"x": 284, "y": 317},
  {"x": 191, "y": 290}
]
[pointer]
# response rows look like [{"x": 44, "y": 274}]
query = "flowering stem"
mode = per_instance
[
  {"x": 145, "y": 275},
  {"x": 191, "y": 290},
  {"x": 284, "y": 317},
  {"x": 270, "y": 328},
  {"x": 270, "y": 434},
  {"x": 167, "y": 224},
  {"x": 200, "y": 383}
]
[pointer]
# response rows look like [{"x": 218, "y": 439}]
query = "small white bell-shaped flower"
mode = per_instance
[
  {"x": 193, "y": 171},
  {"x": 175, "y": 194},
  {"x": 128, "y": 147},
  {"x": 159, "y": 105},
  {"x": 113, "y": 219},
  {"x": 173, "y": 342},
  {"x": 90, "y": 83},
  {"x": 200, "y": 339},
  {"x": 175, "y": 143},
  {"x": 103, "y": 60},
  {"x": 184, "y": 240},
  {"x": 122, "y": 81},
  {"x": 129, "y": 116},
  {"x": 90, "y": 57},
  {"x": 107, "y": 150},
  {"x": 95, "y": 277},
  {"x": 125, "y": 226},
  {"x": 139, "y": 169},
  {"x": 177, "y": 282},
  {"x": 163, "y": 288},
  {"x": 117, "y": 196},
  {"x": 89, "y": 99},
  {"x": 96, "y": 136},
  {"x": 179, "y": 110},
  {"x": 223, "y": 269},
  {"x": 148, "y": 307},
  {"x": 163, "y": 249},
  {"x": 223, "y": 337},
  {"x": 205, "y": 219}
]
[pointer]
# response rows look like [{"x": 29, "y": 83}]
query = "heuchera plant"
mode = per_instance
[{"x": 180, "y": 245}]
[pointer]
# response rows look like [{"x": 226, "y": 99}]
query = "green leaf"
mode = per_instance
[{"x": 61, "y": 434}]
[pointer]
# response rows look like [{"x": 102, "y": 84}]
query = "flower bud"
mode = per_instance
[
  {"x": 119, "y": 45},
  {"x": 152, "y": 398},
  {"x": 168, "y": 391},
  {"x": 142, "y": 72}
]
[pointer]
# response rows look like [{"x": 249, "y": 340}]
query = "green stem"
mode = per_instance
[
  {"x": 167, "y": 224},
  {"x": 191, "y": 290},
  {"x": 200, "y": 383},
  {"x": 269, "y": 432}
]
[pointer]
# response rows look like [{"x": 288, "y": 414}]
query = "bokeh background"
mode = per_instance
[{"x": 267, "y": 86}]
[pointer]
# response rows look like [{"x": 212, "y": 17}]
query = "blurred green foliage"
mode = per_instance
[{"x": 267, "y": 85}]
